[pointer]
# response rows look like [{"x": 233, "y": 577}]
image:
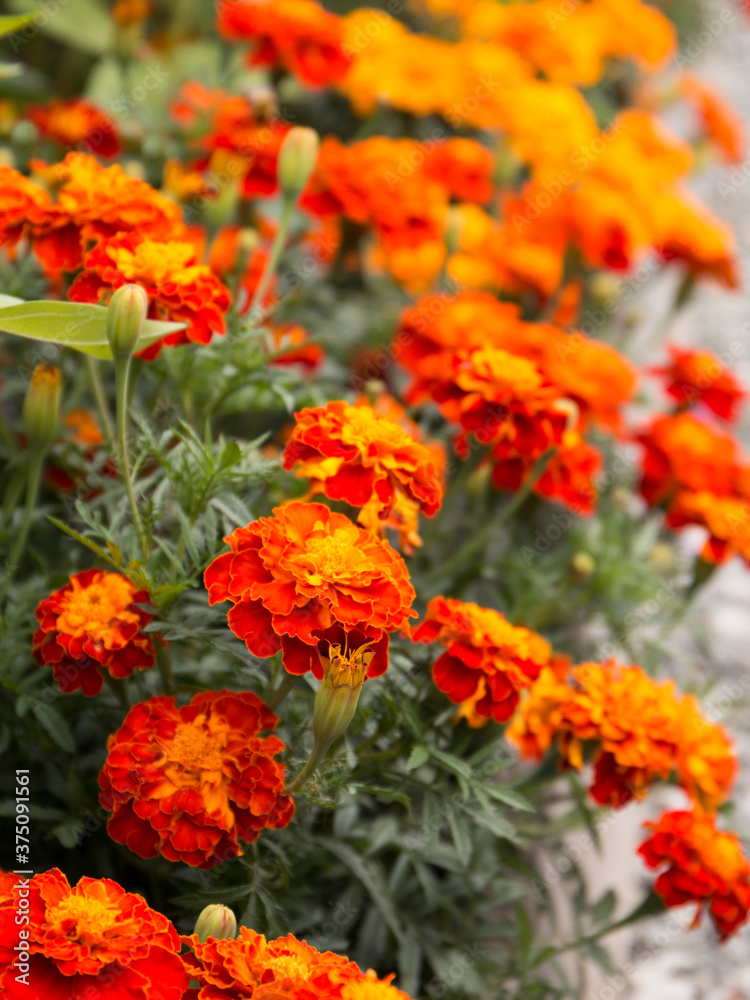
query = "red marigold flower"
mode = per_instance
[
  {"x": 297, "y": 34},
  {"x": 292, "y": 346},
  {"x": 352, "y": 453},
  {"x": 684, "y": 453},
  {"x": 702, "y": 865},
  {"x": 178, "y": 286},
  {"x": 301, "y": 576},
  {"x": 464, "y": 167},
  {"x": 481, "y": 648},
  {"x": 77, "y": 122},
  {"x": 700, "y": 377},
  {"x": 90, "y": 627},
  {"x": 93, "y": 940},
  {"x": 191, "y": 783},
  {"x": 727, "y": 519},
  {"x": 641, "y": 731},
  {"x": 284, "y": 969}
]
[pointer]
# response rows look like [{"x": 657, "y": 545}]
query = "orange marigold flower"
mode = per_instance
[
  {"x": 684, "y": 453},
  {"x": 83, "y": 428},
  {"x": 718, "y": 122},
  {"x": 291, "y": 346},
  {"x": 352, "y": 453},
  {"x": 700, "y": 377},
  {"x": 77, "y": 122},
  {"x": 483, "y": 649},
  {"x": 701, "y": 864},
  {"x": 464, "y": 167},
  {"x": 641, "y": 731},
  {"x": 191, "y": 783},
  {"x": 298, "y": 578},
  {"x": 92, "y": 627},
  {"x": 178, "y": 286},
  {"x": 19, "y": 198},
  {"x": 129, "y": 12},
  {"x": 284, "y": 969},
  {"x": 727, "y": 519},
  {"x": 298, "y": 35},
  {"x": 94, "y": 939}
]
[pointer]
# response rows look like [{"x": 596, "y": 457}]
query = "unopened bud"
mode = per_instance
[
  {"x": 454, "y": 225},
  {"x": 582, "y": 566},
  {"x": 662, "y": 557},
  {"x": 297, "y": 158},
  {"x": 41, "y": 408},
  {"x": 126, "y": 315},
  {"x": 216, "y": 921},
  {"x": 338, "y": 694}
]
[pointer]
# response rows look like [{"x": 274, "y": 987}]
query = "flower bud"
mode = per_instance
[
  {"x": 41, "y": 407},
  {"x": 454, "y": 226},
  {"x": 126, "y": 315},
  {"x": 216, "y": 921},
  {"x": 338, "y": 694},
  {"x": 582, "y": 566},
  {"x": 297, "y": 158}
]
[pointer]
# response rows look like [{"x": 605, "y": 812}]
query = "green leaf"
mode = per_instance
[
  {"x": 498, "y": 825},
  {"x": 78, "y": 325},
  {"x": 97, "y": 549},
  {"x": 461, "y": 836},
  {"x": 369, "y": 874},
  {"x": 80, "y": 23},
  {"x": 604, "y": 907},
  {"x": 419, "y": 755},
  {"x": 54, "y": 724},
  {"x": 451, "y": 763},
  {"x": 509, "y": 796}
]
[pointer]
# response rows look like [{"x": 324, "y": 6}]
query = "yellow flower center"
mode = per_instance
[
  {"x": 195, "y": 748},
  {"x": 290, "y": 967},
  {"x": 153, "y": 261},
  {"x": 331, "y": 558},
  {"x": 91, "y": 918},
  {"x": 92, "y": 610}
]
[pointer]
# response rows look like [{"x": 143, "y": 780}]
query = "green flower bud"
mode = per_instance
[
  {"x": 216, "y": 921},
  {"x": 297, "y": 158},
  {"x": 338, "y": 694},
  {"x": 582, "y": 566},
  {"x": 126, "y": 315},
  {"x": 41, "y": 407}
]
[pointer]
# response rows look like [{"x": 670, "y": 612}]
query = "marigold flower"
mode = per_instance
[
  {"x": 700, "y": 377},
  {"x": 297, "y": 578},
  {"x": 482, "y": 649},
  {"x": 701, "y": 864},
  {"x": 191, "y": 783},
  {"x": 91, "y": 627},
  {"x": 93, "y": 939},
  {"x": 727, "y": 519},
  {"x": 19, "y": 197},
  {"x": 352, "y": 453},
  {"x": 284, "y": 969},
  {"x": 718, "y": 122},
  {"x": 298, "y": 35},
  {"x": 681, "y": 452},
  {"x": 291, "y": 343},
  {"x": 77, "y": 122},
  {"x": 641, "y": 731},
  {"x": 178, "y": 286}
]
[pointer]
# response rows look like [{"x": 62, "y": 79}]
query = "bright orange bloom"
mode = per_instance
[
  {"x": 727, "y": 519},
  {"x": 641, "y": 731},
  {"x": 92, "y": 940},
  {"x": 191, "y": 783},
  {"x": 464, "y": 167},
  {"x": 718, "y": 122},
  {"x": 291, "y": 345},
  {"x": 92, "y": 203},
  {"x": 178, "y": 286},
  {"x": 482, "y": 650},
  {"x": 700, "y": 377},
  {"x": 701, "y": 864},
  {"x": 77, "y": 122},
  {"x": 285, "y": 969},
  {"x": 298, "y": 35},
  {"x": 352, "y": 453},
  {"x": 19, "y": 198},
  {"x": 129, "y": 12},
  {"x": 684, "y": 453},
  {"x": 92, "y": 627},
  {"x": 83, "y": 428},
  {"x": 298, "y": 578}
]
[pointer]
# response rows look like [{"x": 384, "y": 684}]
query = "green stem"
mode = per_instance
[
  {"x": 479, "y": 540},
  {"x": 318, "y": 752},
  {"x": 122, "y": 379},
  {"x": 120, "y": 687},
  {"x": 256, "y": 311},
  {"x": 97, "y": 387},
  {"x": 164, "y": 664},
  {"x": 33, "y": 484},
  {"x": 287, "y": 683}
]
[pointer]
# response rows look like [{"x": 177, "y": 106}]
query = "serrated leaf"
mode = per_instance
[
  {"x": 369, "y": 875},
  {"x": 452, "y": 763},
  {"x": 498, "y": 825},
  {"x": 419, "y": 756},
  {"x": 509, "y": 796},
  {"x": 461, "y": 836},
  {"x": 78, "y": 325},
  {"x": 82, "y": 539}
]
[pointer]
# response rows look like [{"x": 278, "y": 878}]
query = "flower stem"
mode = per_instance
[
  {"x": 120, "y": 687},
  {"x": 164, "y": 663},
  {"x": 122, "y": 380},
  {"x": 287, "y": 683},
  {"x": 33, "y": 483},
  {"x": 256, "y": 311},
  {"x": 100, "y": 397},
  {"x": 318, "y": 752}
]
